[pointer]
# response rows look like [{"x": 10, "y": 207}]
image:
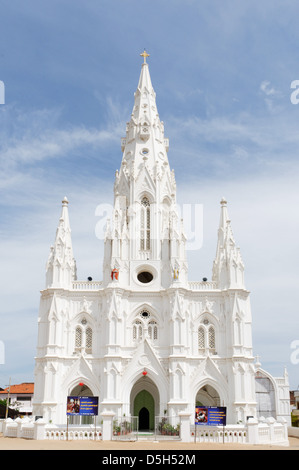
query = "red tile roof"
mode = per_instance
[{"x": 26, "y": 387}]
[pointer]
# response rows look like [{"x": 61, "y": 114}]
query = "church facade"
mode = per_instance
[{"x": 145, "y": 337}]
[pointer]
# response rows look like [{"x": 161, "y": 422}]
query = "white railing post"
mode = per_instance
[
  {"x": 284, "y": 423},
  {"x": 107, "y": 425},
  {"x": 5, "y": 425},
  {"x": 270, "y": 422},
  {"x": 19, "y": 427},
  {"x": 185, "y": 431},
  {"x": 39, "y": 429},
  {"x": 252, "y": 431}
]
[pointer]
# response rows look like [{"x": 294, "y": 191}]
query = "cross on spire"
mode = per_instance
[{"x": 144, "y": 55}]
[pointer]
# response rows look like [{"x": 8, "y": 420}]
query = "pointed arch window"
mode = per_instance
[
  {"x": 143, "y": 326},
  {"x": 145, "y": 224},
  {"x": 206, "y": 338},
  {"x": 78, "y": 337},
  {"x": 137, "y": 330},
  {"x": 152, "y": 330},
  {"x": 201, "y": 338},
  {"x": 212, "y": 338},
  {"x": 83, "y": 337},
  {"x": 88, "y": 339}
]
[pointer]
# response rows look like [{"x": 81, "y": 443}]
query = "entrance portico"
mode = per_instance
[{"x": 145, "y": 402}]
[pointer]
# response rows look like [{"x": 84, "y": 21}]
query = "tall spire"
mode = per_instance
[
  {"x": 145, "y": 215},
  {"x": 144, "y": 130},
  {"x": 61, "y": 265},
  {"x": 228, "y": 267}
]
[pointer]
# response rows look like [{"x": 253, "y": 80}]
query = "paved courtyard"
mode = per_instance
[{"x": 23, "y": 444}]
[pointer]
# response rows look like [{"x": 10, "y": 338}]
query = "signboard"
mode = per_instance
[
  {"x": 210, "y": 415},
  {"x": 84, "y": 406}
]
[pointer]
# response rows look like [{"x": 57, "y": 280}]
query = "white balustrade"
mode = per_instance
[{"x": 87, "y": 285}]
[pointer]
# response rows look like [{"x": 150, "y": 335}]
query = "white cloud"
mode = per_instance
[
  {"x": 268, "y": 89},
  {"x": 51, "y": 143}
]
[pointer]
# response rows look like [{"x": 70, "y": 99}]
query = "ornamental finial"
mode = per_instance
[{"x": 144, "y": 55}]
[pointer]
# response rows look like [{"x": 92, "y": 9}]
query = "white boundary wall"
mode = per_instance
[{"x": 262, "y": 431}]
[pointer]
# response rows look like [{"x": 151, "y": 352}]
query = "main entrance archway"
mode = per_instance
[
  {"x": 144, "y": 408},
  {"x": 145, "y": 403}
]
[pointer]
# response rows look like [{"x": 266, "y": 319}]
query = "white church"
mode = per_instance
[{"x": 145, "y": 340}]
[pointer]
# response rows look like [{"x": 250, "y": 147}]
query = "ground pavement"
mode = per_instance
[{"x": 9, "y": 443}]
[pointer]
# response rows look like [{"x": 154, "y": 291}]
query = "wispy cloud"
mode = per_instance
[
  {"x": 37, "y": 138},
  {"x": 272, "y": 96},
  {"x": 268, "y": 89}
]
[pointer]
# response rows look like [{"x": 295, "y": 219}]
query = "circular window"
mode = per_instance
[
  {"x": 145, "y": 314},
  {"x": 145, "y": 277},
  {"x": 145, "y": 151}
]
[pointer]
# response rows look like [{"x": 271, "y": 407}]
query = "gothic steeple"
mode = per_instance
[
  {"x": 145, "y": 223},
  {"x": 144, "y": 143},
  {"x": 61, "y": 265},
  {"x": 228, "y": 268}
]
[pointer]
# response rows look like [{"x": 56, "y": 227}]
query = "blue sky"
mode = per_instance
[{"x": 222, "y": 72}]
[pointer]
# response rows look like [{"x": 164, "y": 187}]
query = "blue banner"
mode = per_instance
[
  {"x": 210, "y": 415},
  {"x": 85, "y": 406}
]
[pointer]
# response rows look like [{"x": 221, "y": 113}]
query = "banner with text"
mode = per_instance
[
  {"x": 210, "y": 415},
  {"x": 87, "y": 406}
]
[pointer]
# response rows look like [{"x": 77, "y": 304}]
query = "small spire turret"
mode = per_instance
[
  {"x": 61, "y": 265},
  {"x": 228, "y": 267}
]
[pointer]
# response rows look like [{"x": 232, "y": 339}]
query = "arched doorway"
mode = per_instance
[
  {"x": 145, "y": 394},
  {"x": 81, "y": 390},
  {"x": 144, "y": 419},
  {"x": 207, "y": 396},
  {"x": 144, "y": 408}
]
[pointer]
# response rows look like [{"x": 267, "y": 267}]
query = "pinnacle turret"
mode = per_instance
[
  {"x": 228, "y": 267},
  {"x": 61, "y": 265}
]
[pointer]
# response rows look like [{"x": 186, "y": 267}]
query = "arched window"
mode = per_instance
[
  {"x": 211, "y": 338},
  {"x": 152, "y": 330},
  {"x": 137, "y": 330},
  {"x": 78, "y": 337},
  {"x": 145, "y": 224},
  {"x": 83, "y": 337},
  {"x": 88, "y": 339},
  {"x": 201, "y": 338},
  {"x": 206, "y": 338},
  {"x": 145, "y": 323}
]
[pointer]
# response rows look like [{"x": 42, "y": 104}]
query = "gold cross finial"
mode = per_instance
[{"x": 144, "y": 55}]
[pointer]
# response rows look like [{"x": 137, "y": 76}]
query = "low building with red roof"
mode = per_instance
[{"x": 20, "y": 397}]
